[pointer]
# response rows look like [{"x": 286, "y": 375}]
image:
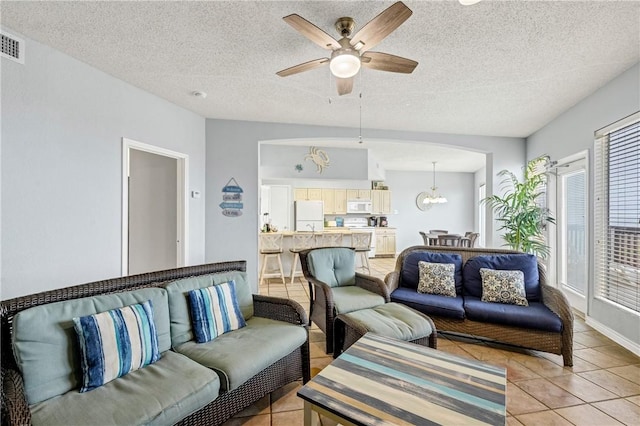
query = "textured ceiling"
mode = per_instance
[{"x": 501, "y": 68}]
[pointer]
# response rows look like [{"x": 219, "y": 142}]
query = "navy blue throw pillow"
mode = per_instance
[
  {"x": 411, "y": 272},
  {"x": 527, "y": 263}
]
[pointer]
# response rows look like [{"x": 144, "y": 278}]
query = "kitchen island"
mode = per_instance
[{"x": 288, "y": 256}]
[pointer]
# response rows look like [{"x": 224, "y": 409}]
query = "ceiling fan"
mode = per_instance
[{"x": 350, "y": 53}]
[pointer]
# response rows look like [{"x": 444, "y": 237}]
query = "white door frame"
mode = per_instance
[
  {"x": 182, "y": 207},
  {"x": 568, "y": 166}
]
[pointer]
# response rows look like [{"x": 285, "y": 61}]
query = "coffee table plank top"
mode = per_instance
[{"x": 381, "y": 381}]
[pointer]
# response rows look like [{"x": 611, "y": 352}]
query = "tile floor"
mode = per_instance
[{"x": 602, "y": 387}]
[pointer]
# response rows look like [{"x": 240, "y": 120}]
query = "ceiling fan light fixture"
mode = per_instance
[{"x": 345, "y": 63}]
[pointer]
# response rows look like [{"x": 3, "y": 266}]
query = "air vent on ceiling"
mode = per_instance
[{"x": 12, "y": 47}]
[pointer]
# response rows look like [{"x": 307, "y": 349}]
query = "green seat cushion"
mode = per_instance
[
  {"x": 393, "y": 320},
  {"x": 241, "y": 354},
  {"x": 178, "y": 291},
  {"x": 45, "y": 343},
  {"x": 335, "y": 266},
  {"x": 158, "y": 394},
  {"x": 354, "y": 298}
]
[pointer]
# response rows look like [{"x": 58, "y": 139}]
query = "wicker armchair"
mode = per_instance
[
  {"x": 546, "y": 341},
  {"x": 296, "y": 365},
  {"x": 324, "y": 296}
]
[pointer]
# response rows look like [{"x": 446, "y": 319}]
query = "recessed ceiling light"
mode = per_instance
[
  {"x": 468, "y": 2},
  {"x": 199, "y": 94}
]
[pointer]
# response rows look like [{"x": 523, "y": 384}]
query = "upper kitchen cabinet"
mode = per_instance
[
  {"x": 304, "y": 194},
  {"x": 381, "y": 201},
  {"x": 358, "y": 194},
  {"x": 335, "y": 201}
]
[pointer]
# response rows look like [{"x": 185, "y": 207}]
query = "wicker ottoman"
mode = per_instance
[{"x": 390, "y": 320}]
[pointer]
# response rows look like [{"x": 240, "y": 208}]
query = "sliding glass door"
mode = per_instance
[{"x": 572, "y": 226}]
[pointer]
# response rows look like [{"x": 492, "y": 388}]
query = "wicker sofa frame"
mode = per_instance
[
  {"x": 296, "y": 365},
  {"x": 557, "y": 343}
]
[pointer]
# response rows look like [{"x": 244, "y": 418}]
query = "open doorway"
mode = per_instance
[{"x": 154, "y": 213}]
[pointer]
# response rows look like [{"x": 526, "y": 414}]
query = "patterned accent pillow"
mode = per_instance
[
  {"x": 215, "y": 311},
  {"x": 437, "y": 278},
  {"x": 503, "y": 287},
  {"x": 116, "y": 342}
]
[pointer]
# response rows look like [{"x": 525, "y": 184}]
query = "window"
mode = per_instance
[{"x": 617, "y": 213}]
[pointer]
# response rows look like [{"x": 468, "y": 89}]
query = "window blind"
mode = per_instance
[{"x": 617, "y": 213}]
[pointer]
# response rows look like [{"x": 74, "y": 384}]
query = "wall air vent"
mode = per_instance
[{"x": 12, "y": 47}]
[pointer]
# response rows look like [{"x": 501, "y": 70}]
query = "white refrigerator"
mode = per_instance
[{"x": 309, "y": 216}]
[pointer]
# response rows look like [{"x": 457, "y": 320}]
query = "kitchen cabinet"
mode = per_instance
[
  {"x": 335, "y": 201},
  {"x": 381, "y": 201},
  {"x": 385, "y": 242},
  {"x": 358, "y": 194},
  {"x": 340, "y": 201},
  {"x": 329, "y": 198},
  {"x": 304, "y": 194}
]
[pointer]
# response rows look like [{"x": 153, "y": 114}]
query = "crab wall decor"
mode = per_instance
[{"x": 319, "y": 157}]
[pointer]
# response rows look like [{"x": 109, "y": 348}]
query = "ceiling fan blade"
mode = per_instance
[
  {"x": 344, "y": 85},
  {"x": 312, "y": 32},
  {"x": 380, "y": 26},
  {"x": 386, "y": 62},
  {"x": 316, "y": 63}
]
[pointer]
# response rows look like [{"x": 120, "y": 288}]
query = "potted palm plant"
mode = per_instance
[{"x": 520, "y": 212}]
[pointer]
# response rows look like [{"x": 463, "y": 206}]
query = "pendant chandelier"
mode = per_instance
[{"x": 434, "y": 197}]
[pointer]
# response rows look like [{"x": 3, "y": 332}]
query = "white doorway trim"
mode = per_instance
[{"x": 182, "y": 207}]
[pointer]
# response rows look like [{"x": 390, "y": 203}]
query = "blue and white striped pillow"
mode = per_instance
[
  {"x": 215, "y": 311},
  {"x": 115, "y": 342}
]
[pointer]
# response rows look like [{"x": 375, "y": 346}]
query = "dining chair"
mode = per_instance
[
  {"x": 300, "y": 241},
  {"x": 438, "y": 231},
  {"x": 271, "y": 248},
  {"x": 450, "y": 240}
]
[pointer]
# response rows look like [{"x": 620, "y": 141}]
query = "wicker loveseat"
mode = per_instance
[
  {"x": 545, "y": 325},
  {"x": 222, "y": 390}
]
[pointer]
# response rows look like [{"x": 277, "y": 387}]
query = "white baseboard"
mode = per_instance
[{"x": 614, "y": 335}]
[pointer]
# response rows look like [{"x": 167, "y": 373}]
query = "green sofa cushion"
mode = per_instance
[
  {"x": 45, "y": 344},
  {"x": 158, "y": 394},
  {"x": 335, "y": 266},
  {"x": 181, "y": 330},
  {"x": 241, "y": 354},
  {"x": 353, "y": 298}
]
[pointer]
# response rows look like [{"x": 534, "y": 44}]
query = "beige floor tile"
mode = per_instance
[
  {"x": 512, "y": 421},
  {"x": 612, "y": 382},
  {"x": 548, "y": 393},
  {"x": 263, "y": 406},
  {"x": 634, "y": 399},
  {"x": 541, "y": 366},
  {"x": 326, "y": 421},
  {"x": 316, "y": 335},
  {"x": 591, "y": 339},
  {"x": 579, "y": 325},
  {"x": 285, "y": 398},
  {"x": 598, "y": 358},
  {"x": 317, "y": 364},
  {"x": 629, "y": 372},
  {"x": 486, "y": 353},
  {"x": 457, "y": 350},
  {"x": 621, "y": 409},
  {"x": 543, "y": 418},
  {"x": 620, "y": 353},
  {"x": 586, "y": 415},
  {"x": 317, "y": 349},
  {"x": 520, "y": 402},
  {"x": 582, "y": 388},
  {"x": 261, "y": 420},
  {"x": 580, "y": 365},
  {"x": 515, "y": 370},
  {"x": 288, "y": 418}
]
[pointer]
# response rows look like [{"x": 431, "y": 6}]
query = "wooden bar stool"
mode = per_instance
[
  {"x": 329, "y": 239},
  {"x": 271, "y": 247},
  {"x": 361, "y": 241},
  {"x": 300, "y": 242}
]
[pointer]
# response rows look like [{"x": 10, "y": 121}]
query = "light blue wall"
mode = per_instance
[
  {"x": 572, "y": 132},
  {"x": 62, "y": 128},
  {"x": 455, "y": 216},
  {"x": 233, "y": 151}
]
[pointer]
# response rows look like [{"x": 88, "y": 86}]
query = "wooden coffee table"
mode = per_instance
[{"x": 380, "y": 380}]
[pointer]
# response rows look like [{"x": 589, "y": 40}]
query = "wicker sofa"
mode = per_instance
[
  {"x": 452, "y": 314},
  {"x": 215, "y": 403}
]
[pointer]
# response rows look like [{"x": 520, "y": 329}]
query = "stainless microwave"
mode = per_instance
[{"x": 359, "y": 206}]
